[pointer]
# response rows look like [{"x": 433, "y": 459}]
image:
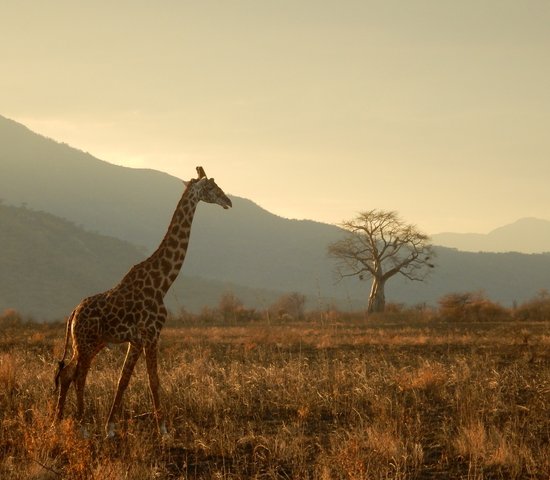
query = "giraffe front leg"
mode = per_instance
[
  {"x": 154, "y": 385},
  {"x": 132, "y": 356}
]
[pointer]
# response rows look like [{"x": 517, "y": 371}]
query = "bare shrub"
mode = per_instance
[
  {"x": 290, "y": 306},
  {"x": 182, "y": 317},
  {"x": 470, "y": 307},
  {"x": 536, "y": 309},
  {"x": 10, "y": 318},
  {"x": 233, "y": 311},
  {"x": 229, "y": 307}
]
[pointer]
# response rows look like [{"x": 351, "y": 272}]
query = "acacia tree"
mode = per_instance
[{"x": 379, "y": 245}]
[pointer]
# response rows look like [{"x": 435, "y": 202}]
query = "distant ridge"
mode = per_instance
[
  {"x": 48, "y": 264},
  {"x": 246, "y": 248},
  {"x": 246, "y": 245},
  {"x": 46, "y": 175},
  {"x": 526, "y": 235}
]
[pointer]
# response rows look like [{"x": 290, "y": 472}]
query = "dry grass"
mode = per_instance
[{"x": 318, "y": 401}]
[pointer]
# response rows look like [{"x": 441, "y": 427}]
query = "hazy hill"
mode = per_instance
[
  {"x": 130, "y": 204},
  {"x": 246, "y": 245},
  {"x": 504, "y": 277},
  {"x": 48, "y": 264},
  {"x": 528, "y": 235}
]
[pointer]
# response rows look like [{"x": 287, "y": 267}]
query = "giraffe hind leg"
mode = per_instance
[
  {"x": 154, "y": 386},
  {"x": 81, "y": 371},
  {"x": 64, "y": 378}
]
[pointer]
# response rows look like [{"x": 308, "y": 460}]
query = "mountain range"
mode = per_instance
[
  {"x": 47, "y": 264},
  {"x": 526, "y": 235},
  {"x": 99, "y": 219}
]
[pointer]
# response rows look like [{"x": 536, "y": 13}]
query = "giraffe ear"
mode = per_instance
[{"x": 185, "y": 183}]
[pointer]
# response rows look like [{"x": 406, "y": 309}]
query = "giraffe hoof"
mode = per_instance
[
  {"x": 111, "y": 432},
  {"x": 84, "y": 434},
  {"x": 166, "y": 439}
]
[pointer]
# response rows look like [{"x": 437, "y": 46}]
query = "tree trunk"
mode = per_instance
[{"x": 377, "y": 299}]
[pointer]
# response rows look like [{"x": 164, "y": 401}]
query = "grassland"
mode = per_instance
[{"x": 338, "y": 399}]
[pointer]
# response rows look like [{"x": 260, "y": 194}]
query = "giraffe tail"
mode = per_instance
[{"x": 61, "y": 363}]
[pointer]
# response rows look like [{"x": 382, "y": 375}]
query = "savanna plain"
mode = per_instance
[{"x": 403, "y": 395}]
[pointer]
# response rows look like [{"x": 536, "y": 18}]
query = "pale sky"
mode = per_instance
[{"x": 439, "y": 109}]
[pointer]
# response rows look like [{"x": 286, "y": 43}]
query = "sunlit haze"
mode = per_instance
[{"x": 312, "y": 109}]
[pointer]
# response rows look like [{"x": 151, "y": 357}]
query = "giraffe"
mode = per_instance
[{"x": 133, "y": 311}]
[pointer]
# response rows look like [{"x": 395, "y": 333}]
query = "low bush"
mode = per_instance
[{"x": 471, "y": 307}]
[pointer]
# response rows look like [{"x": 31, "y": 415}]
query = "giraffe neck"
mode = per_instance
[{"x": 156, "y": 274}]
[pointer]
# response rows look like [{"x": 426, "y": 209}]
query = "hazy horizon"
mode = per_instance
[{"x": 311, "y": 109}]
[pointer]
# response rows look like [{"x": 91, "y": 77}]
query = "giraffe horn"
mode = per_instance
[{"x": 201, "y": 172}]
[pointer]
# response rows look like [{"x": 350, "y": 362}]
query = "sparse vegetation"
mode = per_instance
[
  {"x": 537, "y": 308},
  {"x": 288, "y": 307},
  {"x": 326, "y": 398},
  {"x": 471, "y": 307}
]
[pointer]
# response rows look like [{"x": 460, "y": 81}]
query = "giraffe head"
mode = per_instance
[{"x": 208, "y": 191}]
